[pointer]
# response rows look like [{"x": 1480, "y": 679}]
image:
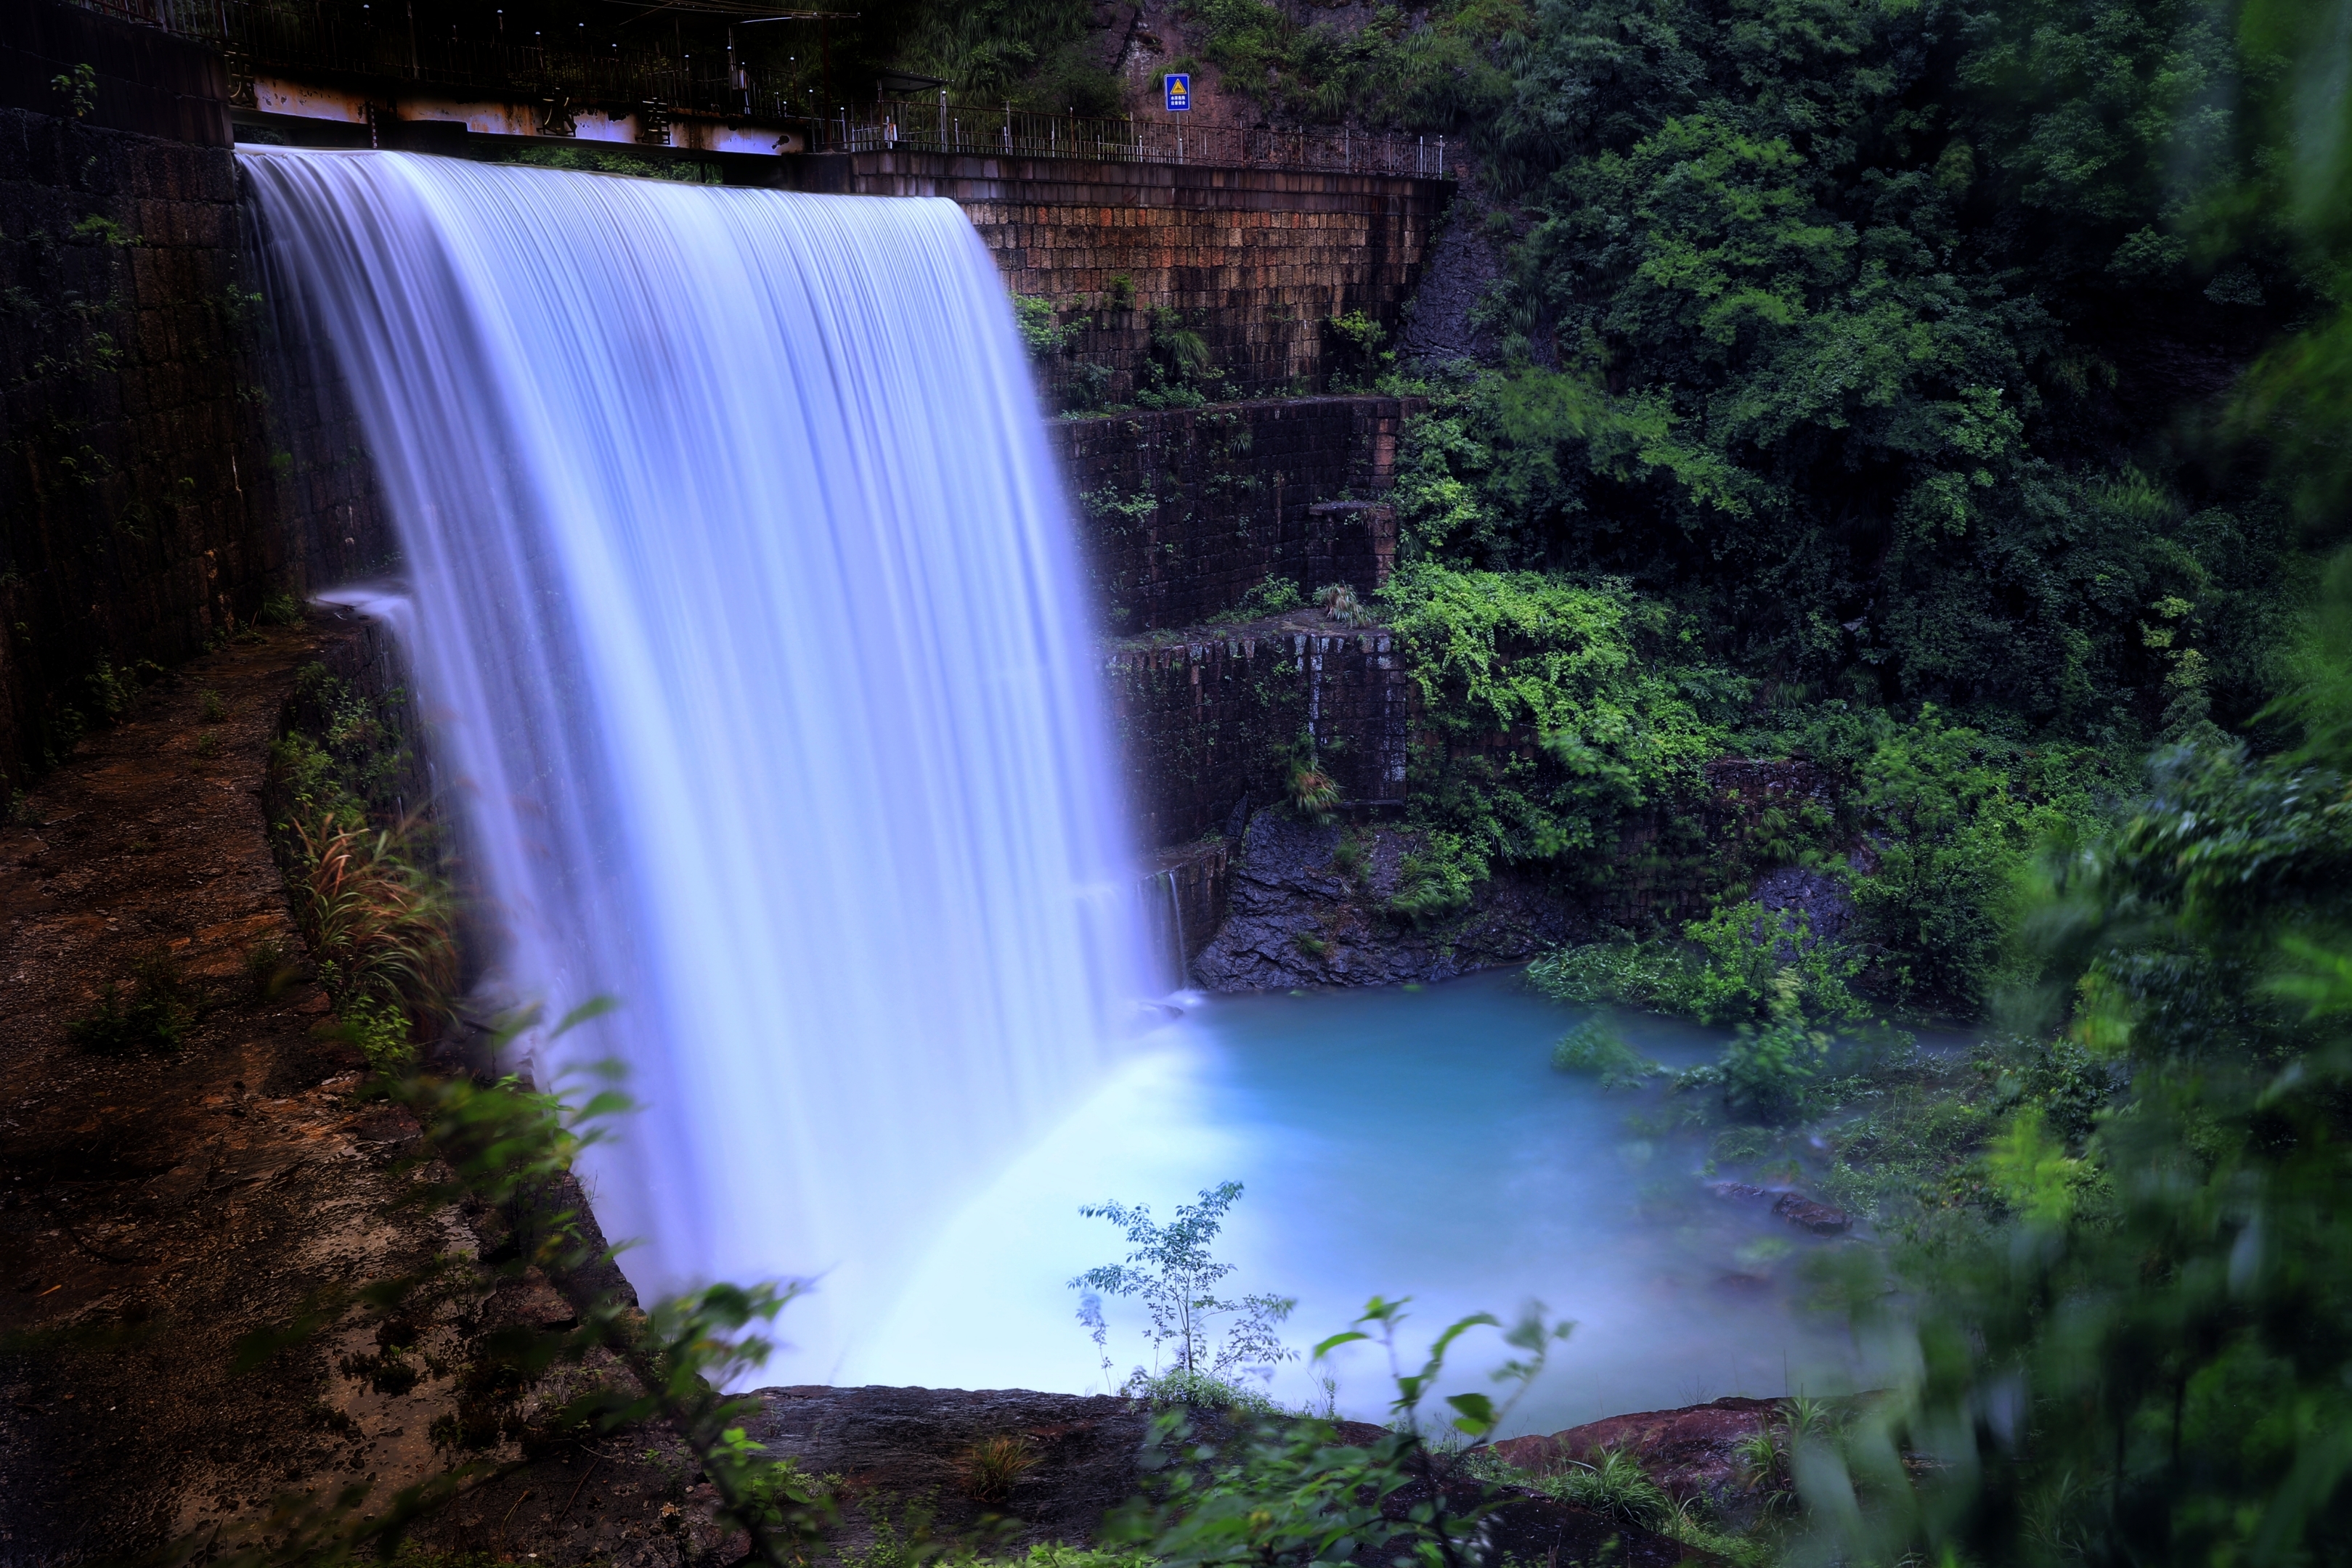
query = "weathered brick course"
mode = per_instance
[{"x": 1255, "y": 259}]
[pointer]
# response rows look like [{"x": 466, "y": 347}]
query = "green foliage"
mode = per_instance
[
  {"x": 1823, "y": 324},
  {"x": 1416, "y": 71},
  {"x": 1177, "y": 372},
  {"x": 1288, "y": 1493},
  {"x": 378, "y": 1027},
  {"x": 1755, "y": 963},
  {"x": 597, "y": 160},
  {"x": 1107, "y": 504},
  {"x": 1173, "y": 1270},
  {"x": 1593, "y": 1047},
  {"x": 150, "y": 1013},
  {"x": 347, "y": 755},
  {"x": 1041, "y": 333},
  {"x": 1766, "y": 1068},
  {"x": 99, "y": 229},
  {"x": 993, "y": 1465},
  {"x": 1088, "y": 388},
  {"x": 1271, "y": 597},
  {"x": 1355, "y": 340},
  {"x": 1311, "y": 793},
  {"x": 1953, "y": 815},
  {"x": 1031, "y": 53},
  {"x": 1438, "y": 877},
  {"x": 1556, "y": 711},
  {"x": 78, "y": 87},
  {"x": 2149, "y": 1362},
  {"x": 1612, "y": 1484},
  {"x": 1736, "y": 965}
]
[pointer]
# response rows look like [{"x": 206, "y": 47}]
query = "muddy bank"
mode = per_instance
[{"x": 168, "y": 1196}]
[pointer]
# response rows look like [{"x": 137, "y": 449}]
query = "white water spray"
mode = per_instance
[{"x": 746, "y": 611}]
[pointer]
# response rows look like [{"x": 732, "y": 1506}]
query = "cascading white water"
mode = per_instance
[{"x": 747, "y": 611}]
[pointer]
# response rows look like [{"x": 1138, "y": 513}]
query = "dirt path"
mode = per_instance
[{"x": 164, "y": 1200}]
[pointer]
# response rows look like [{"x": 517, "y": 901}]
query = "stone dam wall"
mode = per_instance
[
  {"x": 1254, "y": 260},
  {"x": 1183, "y": 512},
  {"x": 160, "y": 474}
]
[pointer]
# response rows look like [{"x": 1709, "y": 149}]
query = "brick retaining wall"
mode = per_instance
[
  {"x": 1255, "y": 259},
  {"x": 160, "y": 473},
  {"x": 1184, "y": 511},
  {"x": 1207, "y": 722}
]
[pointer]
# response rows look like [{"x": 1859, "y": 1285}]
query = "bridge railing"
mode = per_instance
[
  {"x": 346, "y": 39},
  {"x": 943, "y": 126}
]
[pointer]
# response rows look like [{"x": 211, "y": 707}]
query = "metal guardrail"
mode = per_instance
[
  {"x": 344, "y": 38},
  {"x": 945, "y": 126}
]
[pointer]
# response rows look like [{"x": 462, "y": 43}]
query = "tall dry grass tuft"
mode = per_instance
[{"x": 381, "y": 928}]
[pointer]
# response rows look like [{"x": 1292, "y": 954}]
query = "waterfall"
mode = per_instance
[{"x": 746, "y": 613}]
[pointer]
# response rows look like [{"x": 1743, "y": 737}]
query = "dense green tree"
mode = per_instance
[{"x": 1868, "y": 331}]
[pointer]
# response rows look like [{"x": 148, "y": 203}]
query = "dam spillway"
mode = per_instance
[{"x": 742, "y": 596}]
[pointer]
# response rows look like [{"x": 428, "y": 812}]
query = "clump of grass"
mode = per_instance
[
  {"x": 209, "y": 707},
  {"x": 382, "y": 929},
  {"x": 993, "y": 1465},
  {"x": 1312, "y": 945},
  {"x": 1614, "y": 1483},
  {"x": 149, "y": 1014},
  {"x": 1593, "y": 1047},
  {"x": 1338, "y": 602},
  {"x": 1314, "y": 794},
  {"x": 1348, "y": 857},
  {"x": 207, "y": 743}
]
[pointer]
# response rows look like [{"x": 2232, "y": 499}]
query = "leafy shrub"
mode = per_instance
[
  {"x": 1593, "y": 1047},
  {"x": 1270, "y": 596},
  {"x": 1172, "y": 1269},
  {"x": 1555, "y": 724},
  {"x": 1176, "y": 370},
  {"x": 381, "y": 1031},
  {"x": 150, "y": 1014},
  {"x": 1089, "y": 386},
  {"x": 1437, "y": 878},
  {"x": 1954, "y": 816},
  {"x": 1730, "y": 967},
  {"x": 1041, "y": 333},
  {"x": 1287, "y": 1493},
  {"x": 1354, "y": 339},
  {"x": 1338, "y": 602},
  {"x": 1747, "y": 952},
  {"x": 1766, "y": 1067}
]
